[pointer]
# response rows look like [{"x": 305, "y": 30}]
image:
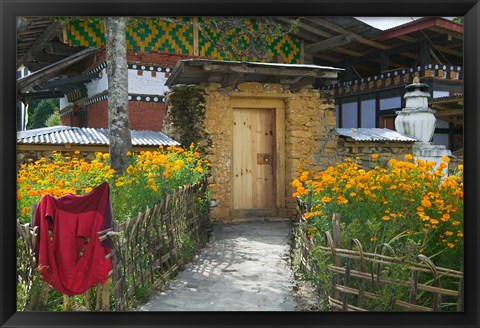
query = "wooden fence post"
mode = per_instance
[{"x": 336, "y": 259}]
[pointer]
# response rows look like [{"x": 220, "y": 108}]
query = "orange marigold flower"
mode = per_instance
[
  {"x": 25, "y": 210},
  {"x": 451, "y": 245},
  {"x": 374, "y": 156},
  {"x": 408, "y": 157},
  {"x": 307, "y": 215},
  {"x": 426, "y": 203}
]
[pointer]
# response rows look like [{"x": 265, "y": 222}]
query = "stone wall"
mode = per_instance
[
  {"x": 310, "y": 139},
  {"x": 218, "y": 126},
  {"x": 363, "y": 151}
]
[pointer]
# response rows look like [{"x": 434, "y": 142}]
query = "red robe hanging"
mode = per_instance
[{"x": 69, "y": 254}]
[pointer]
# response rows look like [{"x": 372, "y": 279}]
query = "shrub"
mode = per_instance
[
  {"x": 410, "y": 205},
  {"x": 149, "y": 176}
]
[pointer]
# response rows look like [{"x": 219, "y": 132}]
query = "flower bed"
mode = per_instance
[
  {"x": 409, "y": 205},
  {"x": 160, "y": 207},
  {"x": 149, "y": 176}
]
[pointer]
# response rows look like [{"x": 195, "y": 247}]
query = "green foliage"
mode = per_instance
[
  {"x": 54, "y": 119},
  {"x": 185, "y": 115},
  {"x": 41, "y": 113}
]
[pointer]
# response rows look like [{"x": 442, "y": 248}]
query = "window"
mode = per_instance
[
  {"x": 368, "y": 115},
  {"x": 391, "y": 103},
  {"x": 350, "y": 115}
]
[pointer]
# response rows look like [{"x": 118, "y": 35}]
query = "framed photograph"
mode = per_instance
[{"x": 331, "y": 50}]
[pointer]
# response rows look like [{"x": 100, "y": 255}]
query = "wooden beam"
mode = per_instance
[
  {"x": 303, "y": 82},
  {"x": 331, "y": 43},
  {"x": 355, "y": 36},
  {"x": 37, "y": 46},
  {"x": 423, "y": 24},
  {"x": 449, "y": 112},
  {"x": 306, "y": 27},
  {"x": 245, "y": 69},
  {"x": 234, "y": 79}
]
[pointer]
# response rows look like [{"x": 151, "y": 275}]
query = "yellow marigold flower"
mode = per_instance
[
  {"x": 460, "y": 234},
  {"x": 374, "y": 156},
  {"x": 433, "y": 221},
  {"x": 76, "y": 152},
  {"x": 448, "y": 233},
  {"x": 177, "y": 167},
  {"x": 455, "y": 223},
  {"x": 460, "y": 167},
  {"x": 200, "y": 169},
  {"x": 353, "y": 194},
  {"x": 451, "y": 245},
  {"x": 446, "y": 159},
  {"x": 307, "y": 215},
  {"x": 408, "y": 157},
  {"x": 19, "y": 195},
  {"x": 119, "y": 183},
  {"x": 89, "y": 189}
]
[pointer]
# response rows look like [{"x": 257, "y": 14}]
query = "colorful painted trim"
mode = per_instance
[
  {"x": 131, "y": 97},
  {"x": 150, "y": 68},
  {"x": 396, "y": 78},
  {"x": 146, "y": 98},
  {"x": 163, "y": 36}
]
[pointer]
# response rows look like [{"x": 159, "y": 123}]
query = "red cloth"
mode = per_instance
[{"x": 65, "y": 224}]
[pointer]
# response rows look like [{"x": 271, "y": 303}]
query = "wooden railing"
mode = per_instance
[
  {"x": 146, "y": 252},
  {"x": 359, "y": 277}
]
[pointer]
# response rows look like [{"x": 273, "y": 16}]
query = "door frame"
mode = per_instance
[{"x": 277, "y": 104}]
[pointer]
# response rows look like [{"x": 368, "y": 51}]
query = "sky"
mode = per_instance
[{"x": 384, "y": 23}]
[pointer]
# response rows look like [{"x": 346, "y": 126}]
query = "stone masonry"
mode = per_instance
[{"x": 310, "y": 137}]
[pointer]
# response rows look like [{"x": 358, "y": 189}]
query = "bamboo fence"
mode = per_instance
[
  {"x": 146, "y": 252},
  {"x": 358, "y": 276}
]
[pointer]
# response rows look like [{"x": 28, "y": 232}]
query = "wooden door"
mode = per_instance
[{"x": 253, "y": 158}]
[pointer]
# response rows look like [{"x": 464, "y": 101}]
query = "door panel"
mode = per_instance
[{"x": 253, "y": 158}]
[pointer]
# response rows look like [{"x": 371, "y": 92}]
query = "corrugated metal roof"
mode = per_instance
[
  {"x": 89, "y": 136},
  {"x": 373, "y": 134}
]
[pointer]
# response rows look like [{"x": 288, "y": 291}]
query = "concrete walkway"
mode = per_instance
[{"x": 244, "y": 267}]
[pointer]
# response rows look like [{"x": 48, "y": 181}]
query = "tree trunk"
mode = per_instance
[{"x": 117, "y": 72}]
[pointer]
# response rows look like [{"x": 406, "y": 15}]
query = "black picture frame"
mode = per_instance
[{"x": 9, "y": 9}]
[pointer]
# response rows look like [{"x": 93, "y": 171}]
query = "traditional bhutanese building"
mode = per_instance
[{"x": 154, "y": 46}]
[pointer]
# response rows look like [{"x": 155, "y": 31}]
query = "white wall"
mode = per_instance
[{"x": 144, "y": 84}]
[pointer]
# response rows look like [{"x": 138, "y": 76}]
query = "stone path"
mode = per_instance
[{"x": 244, "y": 267}]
